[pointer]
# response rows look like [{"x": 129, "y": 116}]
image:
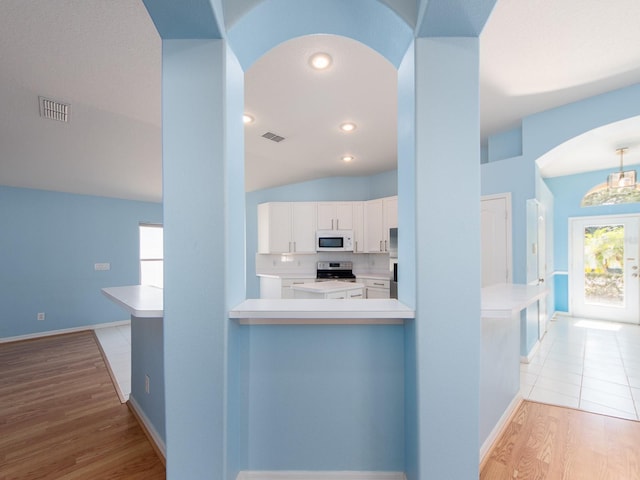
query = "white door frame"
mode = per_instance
[{"x": 595, "y": 219}]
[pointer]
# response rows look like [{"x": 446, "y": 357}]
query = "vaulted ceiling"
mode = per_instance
[{"x": 104, "y": 59}]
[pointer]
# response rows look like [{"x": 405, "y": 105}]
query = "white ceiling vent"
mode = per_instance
[
  {"x": 54, "y": 110},
  {"x": 273, "y": 137}
]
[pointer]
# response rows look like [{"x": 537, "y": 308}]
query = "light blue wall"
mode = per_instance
[
  {"x": 49, "y": 243},
  {"x": 568, "y": 192},
  {"x": 195, "y": 319},
  {"x": 235, "y": 272},
  {"x": 147, "y": 358},
  {"x": 541, "y": 133},
  {"x": 407, "y": 251},
  {"x": 326, "y": 398},
  {"x": 505, "y": 145},
  {"x": 325, "y": 189},
  {"x": 196, "y": 183},
  {"x": 448, "y": 266},
  {"x": 515, "y": 175}
]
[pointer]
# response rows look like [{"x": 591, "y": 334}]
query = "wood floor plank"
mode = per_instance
[
  {"x": 61, "y": 418},
  {"x": 545, "y": 442}
]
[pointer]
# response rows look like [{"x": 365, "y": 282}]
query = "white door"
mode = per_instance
[
  {"x": 537, "y": 256},
  {"x": 496, "y": 239},
  {"x": 543, "y": 315},
  {"x": 603, "y": 270}
]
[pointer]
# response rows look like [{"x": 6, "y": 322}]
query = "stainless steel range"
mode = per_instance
[{"x": 342, "y": 271}]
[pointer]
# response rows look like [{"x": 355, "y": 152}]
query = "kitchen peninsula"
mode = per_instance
[
  {"x": 144, "y": 304},
  {"x": 501, "y": 311}
]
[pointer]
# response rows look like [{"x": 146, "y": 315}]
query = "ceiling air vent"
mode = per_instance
[
  {"x": 273, "y": 137},
  {"x": 54, "y": 110}
]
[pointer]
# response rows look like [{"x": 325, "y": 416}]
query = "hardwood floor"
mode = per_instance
[
  {"x": 60, "y": 416},
  {"x": 556, "y": 443}
]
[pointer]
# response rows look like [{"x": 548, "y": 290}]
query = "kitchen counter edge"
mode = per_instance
[{"x": 142, "y": 301}]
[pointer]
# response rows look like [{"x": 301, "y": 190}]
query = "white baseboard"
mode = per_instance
[
  {"x": 148, "y": 426},
  {"x": 499, "y": 427},
  {"x": 531, "y": 354},
  {"x": 61, "y": 331},
  {"x": 319, "y": 475}
]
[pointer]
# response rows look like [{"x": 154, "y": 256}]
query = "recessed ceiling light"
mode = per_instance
[
  {"x": 348, "y": 127},
  {"x": 348, "y": 158},
  {"x": 320, "y": 61},
  {"x": 246, "y": 118}
]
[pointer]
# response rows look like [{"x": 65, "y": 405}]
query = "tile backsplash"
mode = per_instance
[{"x": 306, "y": 264}]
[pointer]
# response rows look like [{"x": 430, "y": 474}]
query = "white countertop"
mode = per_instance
[
  {"x": 498, "y": 301},
  {"x": 287, "y": 275},
  {"x": 321, "y": 311},
  {"x": 143, "y": 301},
  {"x": 327, "y": 287},
  {"x": 505, "y": 300}
]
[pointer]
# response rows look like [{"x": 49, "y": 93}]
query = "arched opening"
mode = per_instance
[{"x": 304, "y": 108}]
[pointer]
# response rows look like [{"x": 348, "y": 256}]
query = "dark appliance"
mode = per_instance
[{"x": 393, "y": 262}]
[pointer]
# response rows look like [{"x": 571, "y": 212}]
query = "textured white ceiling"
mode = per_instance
[
  {"x": 289, "y": 98},
  {"x": 104, "y": 58}
]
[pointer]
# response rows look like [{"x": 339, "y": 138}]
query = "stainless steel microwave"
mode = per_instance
[{"x": 334, "y": 241}]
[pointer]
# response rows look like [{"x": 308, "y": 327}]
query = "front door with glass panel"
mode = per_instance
[{"x": 603, "y": 272}]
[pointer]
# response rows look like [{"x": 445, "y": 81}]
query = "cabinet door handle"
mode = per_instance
[
  {"x": 337, "y": 224},
  {"x": 356, "y": 249},
  {"x": 294, "y": 246},
  {"x": 381, "y": 284},
  {"x": 385, "y": 246},
  {"x": 358, "y": 295},
  {"x": 381, "y": 246}
]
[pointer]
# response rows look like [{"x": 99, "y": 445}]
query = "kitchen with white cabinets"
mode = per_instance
[{"x": 288, "y": 255}]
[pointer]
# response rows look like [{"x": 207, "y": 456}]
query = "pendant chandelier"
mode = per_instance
[{"x": 620, "y": 187}]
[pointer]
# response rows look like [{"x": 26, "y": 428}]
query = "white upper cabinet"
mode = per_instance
[
  {"x": 373, "y": 236},
  {"x": 358, "y": 227},
  {"x": 379, "y": 216},
  {"x": 285, "y": 227},
  {"x": 390, "y": 212},
  {"x": 335, "y": 216},
  {"x": 290, "y": 227},
  {"x": 304, "y": 226}
]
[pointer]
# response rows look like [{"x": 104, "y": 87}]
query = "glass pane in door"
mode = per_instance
[{"x": 604, "y": 265}]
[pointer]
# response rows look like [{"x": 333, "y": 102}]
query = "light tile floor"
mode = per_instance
[
  {"x": 586, "y": 364},
  {"x": 116, "y": 344}
]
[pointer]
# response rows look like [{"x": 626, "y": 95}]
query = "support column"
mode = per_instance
[
  {"x": 195, "y": 323},
  {"x": 448, "y": 256}
]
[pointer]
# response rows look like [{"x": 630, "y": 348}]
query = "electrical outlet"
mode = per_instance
[
  {"x": 102, "y": 266},
  {"x": 146, "y": 383},
  {"x": 41, "y": 316}
]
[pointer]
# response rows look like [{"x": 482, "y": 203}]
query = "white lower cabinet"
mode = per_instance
[
  {"x": 376, "y": 288},
  {"x": 276, "y": 287},
  {"x": 287, "y": 291}
]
